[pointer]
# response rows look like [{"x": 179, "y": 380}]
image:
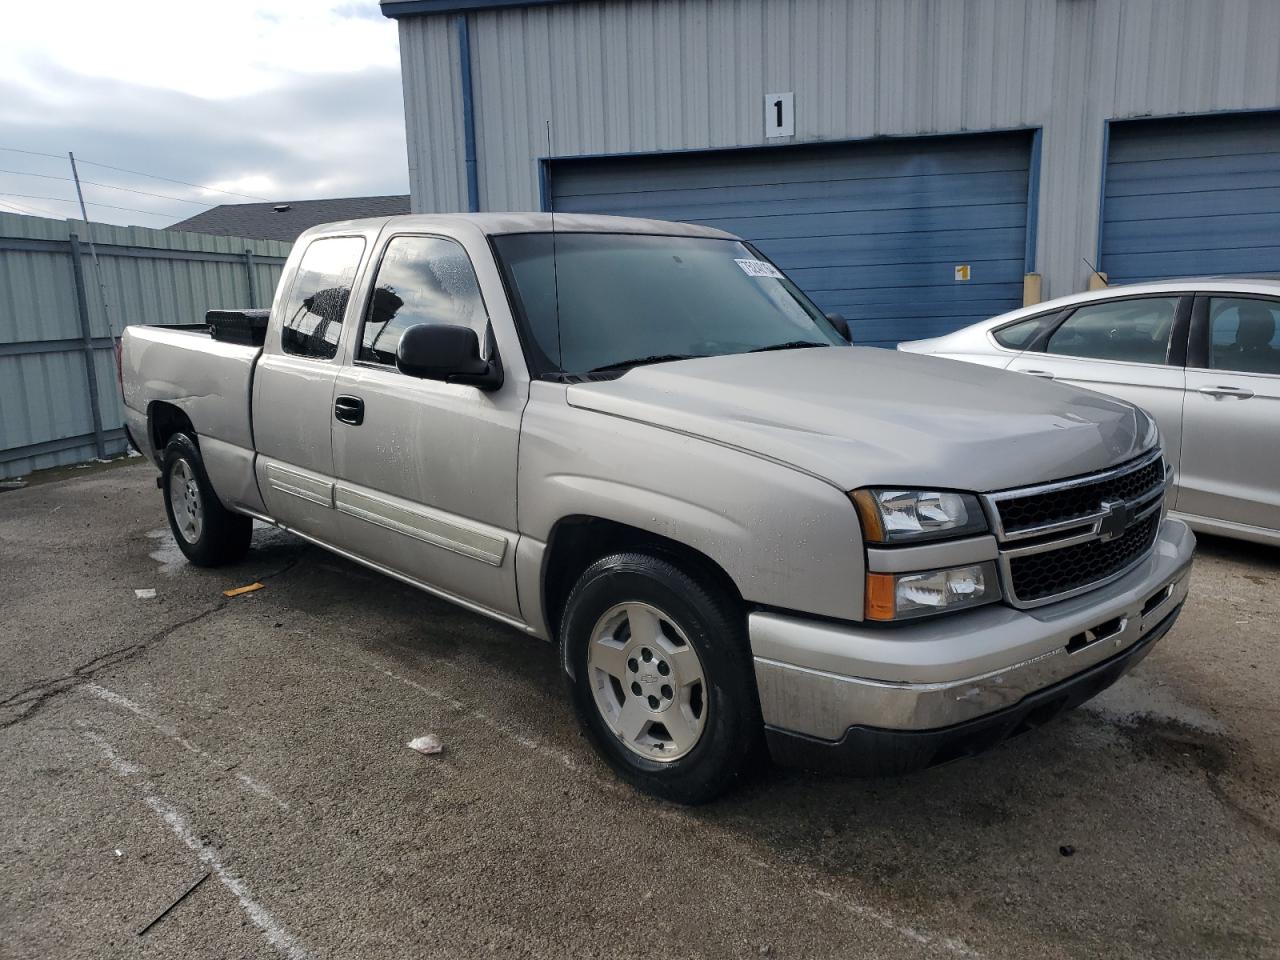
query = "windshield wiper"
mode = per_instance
[
  {"x": 789, "y": 345},
  {"x": 642, "y": 361}
]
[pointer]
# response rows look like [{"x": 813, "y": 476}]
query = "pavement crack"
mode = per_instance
[{"x": 34, "y": 697}]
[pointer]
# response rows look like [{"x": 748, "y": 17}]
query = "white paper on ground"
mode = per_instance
[
  {"x": 147, "y": 593},
  {"x": 426, "y": 744}
]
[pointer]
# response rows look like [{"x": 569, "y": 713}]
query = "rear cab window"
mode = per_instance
[{"x": 313, "y": 314}]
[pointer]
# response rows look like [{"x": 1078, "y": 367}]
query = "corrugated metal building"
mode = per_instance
[{"x": 908, "y": 161}]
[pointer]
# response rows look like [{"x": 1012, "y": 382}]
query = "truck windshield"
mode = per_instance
[{"x": 632, "y": 299}]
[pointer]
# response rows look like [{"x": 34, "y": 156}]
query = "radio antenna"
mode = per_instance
[
  {"x": 555, "y": 269},
  {"x": 1094, "y": 270}
]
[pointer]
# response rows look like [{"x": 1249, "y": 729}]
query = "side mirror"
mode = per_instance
[
  {"x": 448, "y": 352},
  {"x": 841, "y": 325}
]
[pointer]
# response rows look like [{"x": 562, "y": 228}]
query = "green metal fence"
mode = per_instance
[{"x": 60, "y": 314}]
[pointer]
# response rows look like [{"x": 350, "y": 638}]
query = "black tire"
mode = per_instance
[
  {"x": 222, "y": 536},
  {"x": 714, "y": 624}
]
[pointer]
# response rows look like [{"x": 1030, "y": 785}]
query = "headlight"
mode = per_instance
[
  {"x": 909, "y": 516},
  {"x": 898, "y": 596}
]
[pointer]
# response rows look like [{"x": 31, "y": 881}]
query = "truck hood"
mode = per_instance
[{"x": 860, "y": 416}]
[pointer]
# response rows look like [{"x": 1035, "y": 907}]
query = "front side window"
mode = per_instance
[
  {"x": 321, "y": 289},
  {"x": 420, "y": 280},
  {"x": 1133, "y": 331},
  {"x": 590, "y": 302},
  {"x": 1244, "y": 335}
]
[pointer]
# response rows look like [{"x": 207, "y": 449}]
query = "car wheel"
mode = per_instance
[
  {"x": 208, "y": 533},
  {"x": 661, "y": 676}
]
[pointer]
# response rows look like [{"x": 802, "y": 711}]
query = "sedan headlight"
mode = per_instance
[
  {"x": 911, "y": 516},
  {"x": 898, "y": 596}
]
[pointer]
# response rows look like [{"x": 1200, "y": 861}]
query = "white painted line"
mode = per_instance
[
  {"x": 949, "y": 945},
  {"x": 480, "y": 716},
  {"x": 169, "y": 730},
  {"x": 120, "y": 765},
  {"x": 272, "y": 929},
  {"x": 261, "y": 789}
]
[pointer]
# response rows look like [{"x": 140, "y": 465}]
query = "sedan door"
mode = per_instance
[
  {"x": 1133, "y": 348},
  {"x": 1231, "y": 427},
  {"x": 426, "y": 470}
]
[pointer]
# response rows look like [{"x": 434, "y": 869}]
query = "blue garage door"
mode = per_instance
[
  {"x": 874, "y": 231},
  {"x": 1192, "y": 197}
]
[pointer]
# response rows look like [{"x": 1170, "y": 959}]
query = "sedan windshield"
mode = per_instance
[{"x": 610, "y": 301}]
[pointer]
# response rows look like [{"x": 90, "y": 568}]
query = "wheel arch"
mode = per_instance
[
  {"x": 165, "y": 419},
  {"x": 579, "y": 540}
]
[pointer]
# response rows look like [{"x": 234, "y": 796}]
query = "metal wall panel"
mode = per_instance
[
  {"x": 1192, "y": 198},
  {"x": 430, "y": 69},
  {"x": 873, "y": 231},
  {"x": 150, "y": 276},
  {"x": 628, "y": 76}
]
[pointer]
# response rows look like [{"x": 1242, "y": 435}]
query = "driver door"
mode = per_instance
[{"x": 426, "y": 470}]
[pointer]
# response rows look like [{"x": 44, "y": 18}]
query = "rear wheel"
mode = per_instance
[
  {"x": 662, "y": 676},
  {"x": 208, "y": 534}
]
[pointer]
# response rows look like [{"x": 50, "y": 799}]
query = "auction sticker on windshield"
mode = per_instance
[{"x": 758, "y": 268}]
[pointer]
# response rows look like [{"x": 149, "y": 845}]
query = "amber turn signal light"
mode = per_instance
[{"x": 879, "y": 602}]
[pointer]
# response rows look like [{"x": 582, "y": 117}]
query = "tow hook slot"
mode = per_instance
[
  {"x": 1103, "y": 631},
  {"x": 1157, "y": 598}
]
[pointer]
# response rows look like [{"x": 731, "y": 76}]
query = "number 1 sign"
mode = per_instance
[{"x": 779, "y": 115}]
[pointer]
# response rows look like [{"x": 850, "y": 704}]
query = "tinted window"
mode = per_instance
[
  {"x": 321, "y": 289},
  {"x": 1245, "y": 335},
  {"x": 420, "y": 280},
  {"x": 613, "y": 298},
  {"x": 1018, "y": 336},
  {"x": 1135, "y": 331}
]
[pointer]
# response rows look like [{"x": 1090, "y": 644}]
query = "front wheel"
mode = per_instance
[
  {"x": 208, "y": 534},
  {"x": 662, "y": 676}
]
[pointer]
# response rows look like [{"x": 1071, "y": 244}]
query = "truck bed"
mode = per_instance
[{"x": 208, "y": 380}]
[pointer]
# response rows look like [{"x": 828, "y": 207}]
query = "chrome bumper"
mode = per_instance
[{"x": 819, "y": 679}]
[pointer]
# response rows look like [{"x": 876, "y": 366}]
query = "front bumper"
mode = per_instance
[{"x": 852, "y": 691}]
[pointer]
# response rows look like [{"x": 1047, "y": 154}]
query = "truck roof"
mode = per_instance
[{"x": 533, "y": 222}]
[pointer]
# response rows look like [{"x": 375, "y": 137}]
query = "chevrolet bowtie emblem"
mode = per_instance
[{"x": 1115, "y": 519}]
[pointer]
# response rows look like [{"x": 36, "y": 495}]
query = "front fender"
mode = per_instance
[{"x": 785, "y": 538}]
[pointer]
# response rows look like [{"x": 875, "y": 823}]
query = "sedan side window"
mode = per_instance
[
  {"x": 420, "y": 280},
  {"x": 1132, "y": 331},
  {"x": 1018, "y": 336},
  {"x": 1245, "y": 335},
  {"x": 313, "y": 314}
]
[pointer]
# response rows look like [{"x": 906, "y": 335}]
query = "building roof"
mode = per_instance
[
  {"x": 286, "y": 219},
  {"x": 395, "y": 9}
]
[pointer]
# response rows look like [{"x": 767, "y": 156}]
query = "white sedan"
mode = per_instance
[{"x": 1203, "y": 356}]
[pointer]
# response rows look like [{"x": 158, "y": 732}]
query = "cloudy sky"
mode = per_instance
[{"x": 270, "y": 99}]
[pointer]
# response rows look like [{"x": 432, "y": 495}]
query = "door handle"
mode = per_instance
[
  {"x": 1240, "y": 393},
  {"x": 349, "y": 410},
  {"x": 1042, "y": 374}
]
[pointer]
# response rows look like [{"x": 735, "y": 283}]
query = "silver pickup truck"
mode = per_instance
[{"x": 642, "y": 442}]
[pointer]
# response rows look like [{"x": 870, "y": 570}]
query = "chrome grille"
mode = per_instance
[
  {"x": 1039, "y": 575},
  {"x": 1061, "y": 539},
  {"x": 1074, "y": 502}
]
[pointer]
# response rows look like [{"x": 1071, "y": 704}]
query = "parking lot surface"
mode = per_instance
[{"x": 262, "y": 739}]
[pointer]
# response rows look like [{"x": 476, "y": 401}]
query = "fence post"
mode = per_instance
[
  {"x": 86, "y": 338},
  {"x": 253, "y": 284}
]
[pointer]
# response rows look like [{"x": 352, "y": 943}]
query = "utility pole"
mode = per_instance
[{"x": 93, "y": 251}]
